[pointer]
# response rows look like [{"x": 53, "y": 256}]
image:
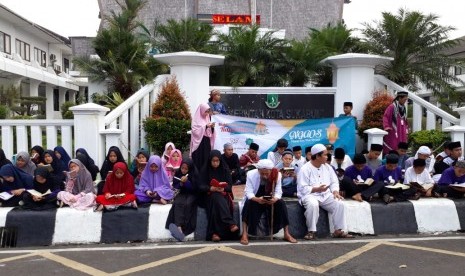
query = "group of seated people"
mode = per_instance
[{"x": 44, "y": 179}]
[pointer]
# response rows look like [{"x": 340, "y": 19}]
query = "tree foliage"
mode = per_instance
[
  {"x": 418, "y": 45},
  {"x": 170, "y": 119},
  {"x": 374, "y": 111},
  {"x": 123, "y": 60}
]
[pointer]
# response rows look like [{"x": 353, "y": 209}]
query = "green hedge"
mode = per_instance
[
  {"x": 435, "y": 137},
  {"x": 163, "y": 130}
]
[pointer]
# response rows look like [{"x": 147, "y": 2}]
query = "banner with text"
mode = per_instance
[{"x": 241, "y": 132}]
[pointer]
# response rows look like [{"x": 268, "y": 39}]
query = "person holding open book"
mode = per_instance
[
  {"x": 452, "y": 182},
  {"x": 43, "y": 194},
  {"x": 14, "y": 185},
  {"x": 360, "y": 185},
  {"x": 154, "y": 184},
  {"x": 419, "y": 177},
  {"x": 118, "y": 189},
  {"x": 79, "y": 190},
  {"x": 56, "y": 168},
  {"x": 182, "y": 218},
  {"x": 216, "y": 188},
  {"x": 289, "y": 174},
  {"x": 391, "y": 176}
]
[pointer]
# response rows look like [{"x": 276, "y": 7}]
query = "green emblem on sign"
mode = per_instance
[{"x": 272, "y": 100}]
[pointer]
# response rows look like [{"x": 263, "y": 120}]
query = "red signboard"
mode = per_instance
[{"x": 234, "y": 19}]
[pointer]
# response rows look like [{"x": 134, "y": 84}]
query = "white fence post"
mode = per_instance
[
  {"x": 112, "y": 138},
  {"x": 375, "y": 136},
  {"x": 89, "y": 120}
]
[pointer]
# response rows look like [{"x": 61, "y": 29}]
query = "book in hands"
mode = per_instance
[
  {"x": 48, "y": 167},
  {"x": 37, "y": 193},
  {"x": 398, "y": 186},
  {"x": 360, "y": 181},
  {"x": 5, "y": 195},
  {"x": 216, "y": 183},
  {"x": 461, "y": 185},
  {"x": 422, "y": 187},
  {"x": 70, "y": 174},
  {"x": 117, "y": 195}
]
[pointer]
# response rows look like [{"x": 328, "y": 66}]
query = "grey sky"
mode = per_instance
[{"x": 80, "y": 17}]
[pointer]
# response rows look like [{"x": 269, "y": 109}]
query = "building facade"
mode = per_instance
[
  {"x": 36, "y": 61},
  {"x": 295, "y": 17}
]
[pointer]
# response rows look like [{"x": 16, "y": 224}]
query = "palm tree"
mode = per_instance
[
  {"x": 418, "y": 44},
  {"x": 184, "y": 35},
  {"x": 252, "y": 59},
  {"x": 123, "y": 60}
]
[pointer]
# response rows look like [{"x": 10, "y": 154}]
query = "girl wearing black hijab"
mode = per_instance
[
  {"x": 37, "y": 154},
  {"x": 114, "y": 156},
  {"x": 57, "y": 167},
  {"x": 3, "y": 159},
  {"x": 15, "y": 182},
  {"x": 43, "y": 182},
  {"x": 216, "y": 187},
  {"x": 88, "y": 162},
  {"x": 182, "y": 217}
]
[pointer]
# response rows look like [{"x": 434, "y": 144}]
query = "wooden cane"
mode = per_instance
[{"x": 273, "y": 185}]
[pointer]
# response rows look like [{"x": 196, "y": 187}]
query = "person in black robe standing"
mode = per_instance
[
  {"x": 202, "y": 136},
  {"x": 218, "y": 199}
]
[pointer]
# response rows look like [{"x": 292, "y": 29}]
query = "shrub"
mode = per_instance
[
  {"x": 435, "y": 137},
  {"x": 374, "y": 111},
  {"x": 4, "y": 111},
  {"x": 65, "y": 112},
  {"x": 170, "y": 119}
]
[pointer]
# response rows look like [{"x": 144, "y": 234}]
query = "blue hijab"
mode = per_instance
[
  {"x": 21, "y": 179},
  {"x": 64, "y": 155}
]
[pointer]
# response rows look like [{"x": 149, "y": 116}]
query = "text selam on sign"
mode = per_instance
[{"x": 234, "y": 19}]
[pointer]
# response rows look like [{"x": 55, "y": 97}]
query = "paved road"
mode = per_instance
[{"x": 415, "y": 255}]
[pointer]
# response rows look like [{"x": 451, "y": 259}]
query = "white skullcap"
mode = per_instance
[
  {"x": 318, "y": 148},
  {"x": 265, "y": 164},
  {"x": 424, "y": 150}
]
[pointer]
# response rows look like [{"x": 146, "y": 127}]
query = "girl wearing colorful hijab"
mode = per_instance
[
  {"x": 173, "y": 163},
  {"x": 24, "y": 163},
  {"x": 202, "y": 136},
  {"x": 3, "y": 159},
  {"x": 62, "y": 154},
  {"x": 15, "y": 182},
  {"x": 154, "y": 184},
  {"x": 43, "y": 182},
  {"x": 118, "y": 189},
  {"x": 88, "y": 162},
  {"x": 182, "y": 217},
  {"x": 169, "y": 147},
  {"x": 79, "y": 190},
  {"x": 217, "y": 199}
]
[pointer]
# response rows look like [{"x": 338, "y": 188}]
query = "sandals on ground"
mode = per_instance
[
  {"x": 310, "y": 236},
  {"x": 339, "y": 234}
]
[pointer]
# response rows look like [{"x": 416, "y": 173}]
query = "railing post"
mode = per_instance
[
  {"x": 89, "y": 120},
  {"x": 112, "y": 138},
  {"x": 417, "y": 117},
  {"x": 430, "y": 120},
  {"x": 375, "y": 136}
]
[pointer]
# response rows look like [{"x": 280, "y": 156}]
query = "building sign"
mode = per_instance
[
  {"x": 279, "y": 106},
  {"x": 234, "y": 19}
]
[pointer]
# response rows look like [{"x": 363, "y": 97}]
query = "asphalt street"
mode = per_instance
[{"x": 414, "y": 255}]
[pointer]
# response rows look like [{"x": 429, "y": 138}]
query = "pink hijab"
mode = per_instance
[
  {"x": 199, "y": 129},
  {"x": 171, "y": 164}
]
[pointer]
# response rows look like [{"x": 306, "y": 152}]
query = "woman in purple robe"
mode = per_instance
[
  {"x": 395, "y": 122},
  {"x": 154, "y": 185}
]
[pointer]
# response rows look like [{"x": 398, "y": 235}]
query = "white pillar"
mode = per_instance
[
  {"x": 112, "y": 138},
  {"x": 34, "y": 88},
  {"x": 72, "y": 96},
  {"x": 457, "y": 133},
  {"x": 417, "y": 117},
  {"x": 192, "y": 71},
  {"x": 430, "y": 120},
  {"x": 375, "y": 136},
  {"x": 89, "y": 120},
  {"x": 355, "y": 80},
  {"x": 49, "y": 111}
]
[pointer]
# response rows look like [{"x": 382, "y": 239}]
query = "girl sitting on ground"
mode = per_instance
[
  {"x": 45, "y": 184},
  {"x": 154, "y": 185},
  {"x": 15, "y": 182},
  {"x": 166, "y": 154},
  {"x": 182, "y": 217},
  {"x": 173, "y": 163},
  {"x": 24, "y": 163},
  {"x": 62, "y": 154},
  {"x": 118, "y": 189},
  {"x": 56, "y": 168},
  {"x": 79, "y": 189},
  {"x": 37, "y": 155},
  {"x": 142, "y": 157}
]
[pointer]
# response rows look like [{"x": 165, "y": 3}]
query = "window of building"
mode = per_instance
[
  {"x": 23, "y": 49},
  {"x": 5, "y": 43},
  {"x": 66, "y": 65},
  {"x": 459, "y": 70},
  {"x": 56, "y": 103},
  {"x": 40, "y": 56}
]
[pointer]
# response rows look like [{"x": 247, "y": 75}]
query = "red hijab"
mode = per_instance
[{"x": 114, "y": 185}]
